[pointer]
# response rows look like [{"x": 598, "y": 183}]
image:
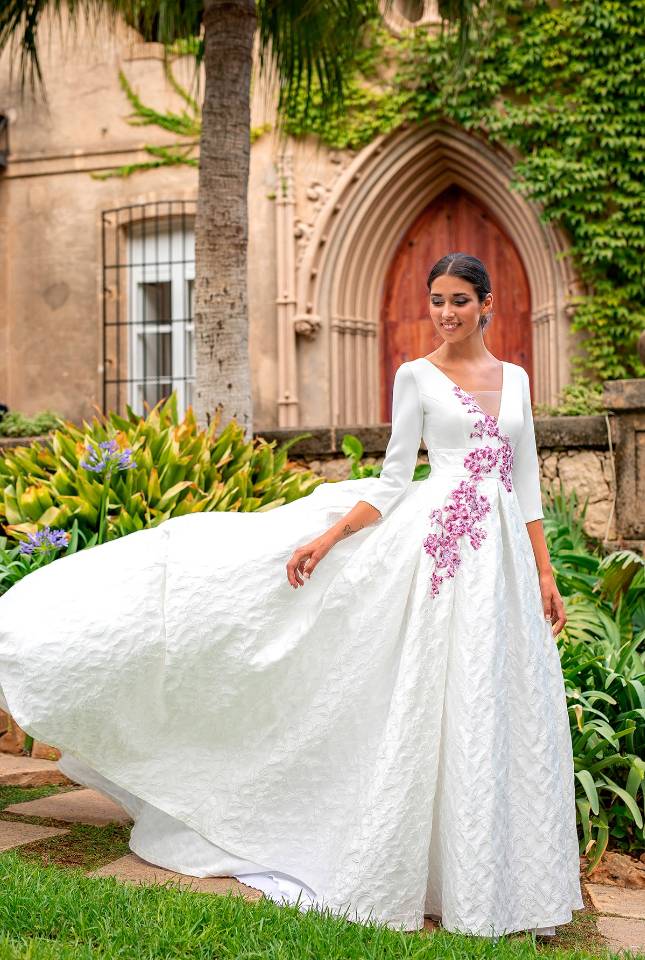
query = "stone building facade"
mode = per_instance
[{"x": 96, "y": 278}]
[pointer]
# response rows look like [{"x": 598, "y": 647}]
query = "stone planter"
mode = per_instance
[{"x": 625, "y": 400}]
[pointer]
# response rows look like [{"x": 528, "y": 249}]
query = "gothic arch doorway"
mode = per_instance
[
  {"x": 332, "y": 269},
  {"x": 454, "y": 220}
]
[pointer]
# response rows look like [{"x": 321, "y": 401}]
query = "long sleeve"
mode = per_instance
[
  {"x": 526, "y": 467},
  {"x": 403, "y": 446}
]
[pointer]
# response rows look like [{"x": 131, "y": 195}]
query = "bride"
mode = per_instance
[{"x": 382, "y": 731}]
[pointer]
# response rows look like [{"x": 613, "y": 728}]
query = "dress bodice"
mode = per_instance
[{"x": 462, "y": 437}]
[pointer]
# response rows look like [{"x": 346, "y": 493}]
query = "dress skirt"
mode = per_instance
[{"x": 377, "y": 747}]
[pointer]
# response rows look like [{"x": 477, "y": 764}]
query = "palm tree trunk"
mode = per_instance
[{"x": 222, "y": 368}]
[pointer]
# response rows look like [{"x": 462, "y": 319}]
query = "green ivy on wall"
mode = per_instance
[
  {"x": 560, "y": 84},
  {"x": 187, "y": 124}
]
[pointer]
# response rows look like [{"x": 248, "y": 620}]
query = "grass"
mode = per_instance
[
  {"x": 50, "y": 910},
  {"x": 9, "y": 795}
]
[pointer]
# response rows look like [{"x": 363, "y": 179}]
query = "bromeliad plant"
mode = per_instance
[
  {"x": 602, "y": 655},
  {"x": 121, "y": 474},
  {"x": 37, "y": 550},
  {"x": 107, "y": 460}
]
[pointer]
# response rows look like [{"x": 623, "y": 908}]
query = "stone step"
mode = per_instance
[
  {"x": 132, "y": 869},
  {"x": 75, "y": 806},
  {"x": 29, "y": 772},
  {"x": 620, "y": 901},
  {"x": 623, "y": 933},
  {"x": 623, "y": 915},
  {"x": 15, "y": 834}
]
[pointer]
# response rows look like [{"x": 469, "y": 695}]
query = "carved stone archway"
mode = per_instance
[{"x": 333, "y": 296}]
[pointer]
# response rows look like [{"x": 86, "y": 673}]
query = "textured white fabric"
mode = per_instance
[{"x": 389, "y": 752}]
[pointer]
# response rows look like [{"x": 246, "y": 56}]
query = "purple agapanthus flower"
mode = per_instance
[
  {"x": 44, "y": 541},
  {"x": 107, "y": 458}
]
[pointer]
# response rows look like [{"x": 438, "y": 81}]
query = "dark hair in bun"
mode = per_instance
[{"x": 468, "y": 268}]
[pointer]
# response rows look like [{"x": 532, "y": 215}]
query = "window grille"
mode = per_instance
[{"x": 148, "y": 297}]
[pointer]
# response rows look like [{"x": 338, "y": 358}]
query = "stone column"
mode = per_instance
[
  {"x": 625, "y": 401},
  {"x": 286, "y": 296}
]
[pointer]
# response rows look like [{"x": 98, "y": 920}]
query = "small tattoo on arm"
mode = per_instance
[{"x": 347, "y": 529}]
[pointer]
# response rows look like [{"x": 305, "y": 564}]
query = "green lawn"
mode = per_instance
[{"x": 50, "y": 910}]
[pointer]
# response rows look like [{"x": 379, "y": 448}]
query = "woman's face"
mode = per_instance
[{"x": 454, "y": 308}]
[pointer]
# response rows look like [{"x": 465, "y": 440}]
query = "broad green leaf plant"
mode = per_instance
[
  {"x": 121, "y": 474},
  {"x": 602, "y": 650}
]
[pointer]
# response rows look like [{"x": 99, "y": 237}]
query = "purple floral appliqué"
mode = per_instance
[{"x": 465, "y": 507}]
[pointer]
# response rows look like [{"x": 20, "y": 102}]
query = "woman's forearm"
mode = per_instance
[
  {"x": 535, "y": 530},
  {"x": 361, "y": 515}
]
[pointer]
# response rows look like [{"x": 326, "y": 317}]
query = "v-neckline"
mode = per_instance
[{"x": 474, "y": 399}]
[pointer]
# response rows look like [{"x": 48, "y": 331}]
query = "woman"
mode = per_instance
[{"x": 390, "y": 742}]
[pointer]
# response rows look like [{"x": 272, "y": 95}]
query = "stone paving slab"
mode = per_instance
[
  {"x": 622, "y": 933},
  {"x": 620, "y": 901},
  {"x": 29, "y": 772},
  {"x": 14, "y": 834},
  {"x": 75, "y": 806},
  {"x": 132, "y": 869}
]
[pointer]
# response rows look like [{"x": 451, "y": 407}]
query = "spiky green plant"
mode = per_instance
[{"x": 179, "y": 469}]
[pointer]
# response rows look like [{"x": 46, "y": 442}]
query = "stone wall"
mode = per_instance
[
  {"x": 601, "y": 457},
  {"x": 588, "y": 472},
  {"x": 572, "y": 450}
]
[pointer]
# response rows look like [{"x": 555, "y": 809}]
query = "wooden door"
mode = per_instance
[{"x": 453, "y": 221}]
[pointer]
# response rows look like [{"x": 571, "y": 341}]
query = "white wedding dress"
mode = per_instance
[{"x": 389, "y": 740}]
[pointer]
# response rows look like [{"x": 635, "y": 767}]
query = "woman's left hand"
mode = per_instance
[{"x": 552, "y": 602}]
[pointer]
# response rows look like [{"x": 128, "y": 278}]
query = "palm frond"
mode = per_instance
[
  {"x": 617, "y": 572},
  {"x": 308, "y": 44},
  {"x": 302, "y": 43},
  {"x": 21, "y": 23}
]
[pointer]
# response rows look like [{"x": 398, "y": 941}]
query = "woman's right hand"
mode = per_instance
[{"x": 305, "y": 559}]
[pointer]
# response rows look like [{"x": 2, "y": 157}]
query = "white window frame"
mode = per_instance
[{"x": 162, "y": 253}]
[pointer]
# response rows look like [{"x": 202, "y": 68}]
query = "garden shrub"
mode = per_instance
[
  {"x": 601, "y": 652},
  {"x": 121, "y": 474},
  {"x": 16, "y": 424}
]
